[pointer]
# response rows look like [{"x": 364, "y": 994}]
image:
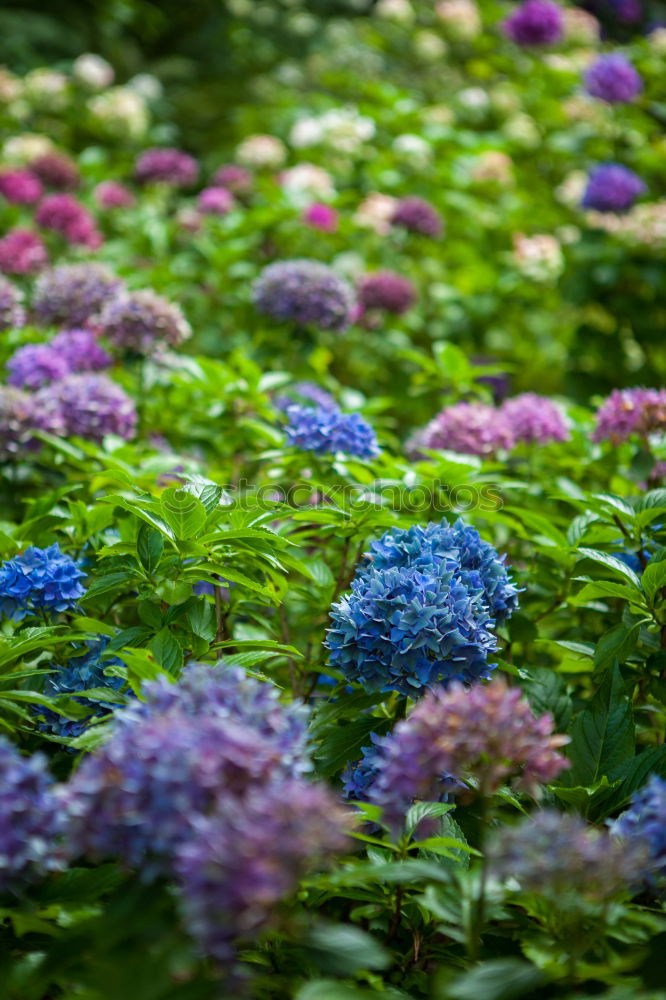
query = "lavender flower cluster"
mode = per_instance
[
  {"x": 613, "y": 79},
  {"x": 39, "y": 580},
  {"x": 386, "y": 291},
  {"x": 165, "y": 165},
  {"x": 141, "y": 323},
  {"x": 12, "y": 313},
  {"x": 612, "y": 187},
  {"x": 20, "y": 416},
  {"x": 644, "y": 822},
  {"x": 327, "y": 431},
  {"x": 73, "y": 294},
  {"x": 630, "y": 411},
  {"x": 306, "y": 293},
  {"x": 535, "y": 22}
]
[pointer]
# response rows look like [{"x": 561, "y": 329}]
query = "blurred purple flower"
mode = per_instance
[
  {"x": 36, "y": 365},
  {"x": 56, "y": 170},
  {"x": 418, "y": 216},
  {"x": 166, "y": 166},
  {"x": 320, "y": 216},
  {"x": 612, "y": 78},
  {"x": 63, "y": 214},
  {"x": 215, "y": 201},
  {"x": 21, "y": 187},
  {"x": 143, "y": 322},
  {"x": 111, "y": 194},
  {"x": 71, "y": 294},
  {"x": 386, "y": 290},
  {"x": 612, "y": 188},
  {"x": 468, "y": 428},
  {"x": 630, "y": 411},
  {"x": 22, "y": 252},
  {"x": 20, "y": 416},
  {"x": 535, "y": 22},
  {"x": 12, "y": 313},
  {"x": 81, "y": 350},
  {"x": 535, "y": 419},
  {"x": 92, "y": 406},
  {"x": 236, "y": 179},
  {"x": 306, "y": 293}
]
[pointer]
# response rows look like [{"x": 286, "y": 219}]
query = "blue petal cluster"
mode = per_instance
[
  {"x": 430, "y": 546},
  {"x": 401, "y": 629},
  {"x": 40, "y": 579},
  {"x": 326, "y": 431},
  {"x": 82, "y": 673},
  {"x": 359, "y": 777},
  {"x": 645, "y": 822},
  {"x": 30, "y": 818}
]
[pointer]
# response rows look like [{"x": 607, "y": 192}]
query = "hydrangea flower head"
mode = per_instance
[
  {"x": 630, "y": 411},
  {"x": 215, "y": 201},
  {"x": 327, "y": 431},
  {"x": 35, "y": 365},
  {"x": 612, "y": 78},
  {"x": 386, "y": 290},
  {"x": 65, "y": 215},
  {"x": 112, "y": 194},
  {"x": 418, "y": 216},
  {"x": 236, "y": 179},
  {"x": 81, "y": 351},
  {"x": 645, "y": 822},
  {"x": 407, "y": 630},
  {"x": 39, "y": 579},
  {"x": 559, "y": 856},
  {"x": 21, "y": 187},
  {"x": 612, "y": 187},
  {"x": 359, "y": 777},
  {"x": 535, "y": 419},
  {"x": 468, "y": 428},
  {"x": 22, "y": 252},
  {"x": 20, "y": 416},
  {"x": 166, "y": 166},
  {"x": 12, "y": 313},
  {"x": 91, "y": 405},
  {"x": 433, "y": 546},
  {"x": 56, "y": 170},
  {"x": 305, "y": 292},
  {"x": 31, "y": 819},
  {"x": 535, "y": 22},
  {"x": 486, "y": 732},
  {"x": 321, "y": 216},
  {"x": 308, "y": 392},
  {"x": 73, "y": 293},
  {"x": 143, "y": 322}
]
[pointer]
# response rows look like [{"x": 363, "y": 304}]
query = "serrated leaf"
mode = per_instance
[
  {"x": 602, "y": 735},
  {"x": 149, "y": 547},
  {"x": 183, "y": 512},
  {"x": 612, "y": 563}
]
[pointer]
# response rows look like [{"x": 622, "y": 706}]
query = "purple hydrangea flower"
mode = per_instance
[
  {"x": 21, "y": 187},
  {"x": 81, "y": 673},
  {"x": 535, "y": 419},
  {"x": 35, "y": 365},
  {"x": 65, "y": 215},
  {"x": 535, "y": 22},
  {"x": 244, "y": 861},
  {"x": 559, "y": 856},
  {"x": 486, "y": 732},
  {"x": 215, "y": 201},
  {"x": 92, "y": 406},
  {"x": 166, "y": 166},
  {"x": 306, "y": 392},
  {"x": 326, "y": 431},
  {"x": 20, "y": 417},
  {"x": 320, "y": 216},
  {"x": 31, "y": 820},
  {"x": 56, "y": 170},
  {"x": 112, "y": 194},
  {"x": 406, "y": 630},
  {"x": 386, "y": 290},
  {"x": 418, "y": 216},
  {"x": 73, "y": 293},
  {"x": 305, "y": 292},
  {"x": 22, "y": 252},
  {"x": 433, "y": 546},
  {"x": 39, "y": 579},
  {"x": 141, "y": 323},
  {"x": 12, "y": 313},
  {"x": 236, "y": 179},
  {"x": 81, "y": 351},
  {"x": 468, "y": 428},
  {"x": 612, "y": 78},
  {"x": 644, "y": 823},
  {"x": 630, "y": 411},
  {"x": 612, "y": 188}
]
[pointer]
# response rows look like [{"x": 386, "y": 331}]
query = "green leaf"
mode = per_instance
[
  {"x": 499, "y": 979},
  {"x": 201, "y": 618},
  {"x": 183, "y": 512},
  {"x": 612, "y": 563},
  {"x": 654, "y": 578},
  {"x": 602, "y": 736},
  {"x": 547, "y": 692},
  {"x": 343, "y": 949},
  {"x": 616, "y": 644},
  {"x": 167, "y": 651},
  {"x": 149, "y": 547}
]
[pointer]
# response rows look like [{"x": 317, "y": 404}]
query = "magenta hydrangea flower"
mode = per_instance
[
  {"x": 71, "y": 294},
  {"x": 22, "y": 252},
  {"x": 320, "y": 216},
  {"x": 112, "y": 194},
  {"x": 20, "y": 416},
  {"x": 236, "y": 179},
  {"x": 535, "y": 22},
  {"x": 535, "y": 419},
  {"x": 613, "y": 79},
  {"x": 386, "y": 290},
  {"x": 143, "y": 322},
  {"x": 418, "y": 216},
  {"x": 630, "y": 411},
  {"x": 166, "y": 165},
  {"x": 306, "y": 293},
  {"x": 57, "y": 171},
  {"x": 21, "y": 187},
  {"x": 81, "y": 350},
  {"x": 215, "y": 201},
  {"x": 468, "y": 428},
  {"x": 65, "y": 215},
  {"x": 35, "y": 365},
  {"x": 12, "y": 313},
  {"x": 487, "y": 733},
  {"x": 92, "y": 406},
  {"x": 612, "y": 188}
]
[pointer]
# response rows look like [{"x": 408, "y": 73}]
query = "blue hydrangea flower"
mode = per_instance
[
  {"x": 30, "y": 817},
  {"x": 305, "y": 392},
  {"x": 39, "y": 579},
  {"x": 403, "y": 629},
  {"x": 645, "y": 820},
  {"x": 82, "y": 673},
  {"x": 429, "y": 546},
  {"x": 359, "y": 777},
  {"x": 329, "y": 431}
]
